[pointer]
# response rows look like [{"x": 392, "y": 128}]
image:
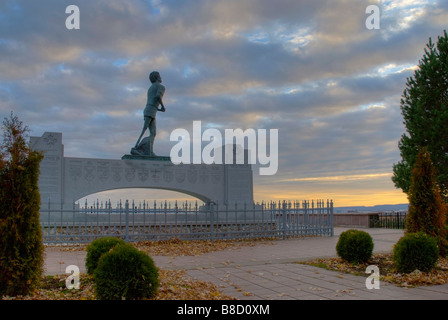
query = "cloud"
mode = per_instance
[
  {"x": 339, "y": 179},
  {"x": 308, "y": 68}
]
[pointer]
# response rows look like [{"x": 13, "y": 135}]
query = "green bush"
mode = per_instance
[
  {"x": 21, "y": 247},
  {"x": 97, "y": 248},
  {"x": 355, "y": 246},
  {"x": 125, "y": 273},
  {"x": 427, "y": 211},
  {"x": 415, "y": 251}
]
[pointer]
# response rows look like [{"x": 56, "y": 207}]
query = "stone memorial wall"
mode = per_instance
[{"x": 64, "y": 180}]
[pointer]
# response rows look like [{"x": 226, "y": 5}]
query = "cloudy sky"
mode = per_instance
[{"x": 310, "y": 69}]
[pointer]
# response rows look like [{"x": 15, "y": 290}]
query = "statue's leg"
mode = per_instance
[
  {"x": 152, "y": 132},
  {"x": 145, "y": 126}
]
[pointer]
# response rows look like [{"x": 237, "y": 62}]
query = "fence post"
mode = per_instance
[
  {"x": 331, "y": 215},
  {"x": 210, "y": 209},
  {"x": 126, "y": 206},
  {"x": 397, "y": 220},
  {"x": 284, "y": 219},
  {"x": 305, "y": 215},
  {"x": 49, "y": 218}
]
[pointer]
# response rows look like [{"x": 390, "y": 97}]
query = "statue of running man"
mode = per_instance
[{"x": 155, "y": 95}]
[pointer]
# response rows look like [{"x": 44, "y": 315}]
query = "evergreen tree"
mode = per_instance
[
  {"x": 427, "y": 212},
  {"x": 424, "y": 107},
  {"x": 21, "y": 248}
]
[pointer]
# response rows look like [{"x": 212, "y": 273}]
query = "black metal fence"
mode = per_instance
[{"x": 389, "y": 220}]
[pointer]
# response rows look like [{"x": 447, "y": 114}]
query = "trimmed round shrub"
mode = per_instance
[
  {"x": 355, "y": 246},
  {"x": 125, "y": 273},
  {"x": 415, "y": 251},
  {"x": 97, "y": 248}
]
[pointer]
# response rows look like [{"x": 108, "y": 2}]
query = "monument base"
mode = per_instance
[{"x": 145, "y": 157}]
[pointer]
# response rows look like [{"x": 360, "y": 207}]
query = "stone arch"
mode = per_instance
[
  {"x": 87, "y": 176},
  {"x": 200, "y": 197}
]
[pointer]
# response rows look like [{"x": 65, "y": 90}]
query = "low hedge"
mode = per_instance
[
  {"x": 125, "y": 273},
  {"x": 97, "y": 248},
  {"x": 355, "y": 246},
  {"x": 415, "y": 251}
]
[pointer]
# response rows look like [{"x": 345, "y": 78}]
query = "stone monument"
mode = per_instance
[{"x": 64, "y": 180}]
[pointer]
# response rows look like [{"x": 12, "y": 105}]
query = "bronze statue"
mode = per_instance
[{"x": 154, "y": 100}]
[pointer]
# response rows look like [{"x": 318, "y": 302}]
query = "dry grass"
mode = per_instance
[
  {"x": 388, "y": 271},
  {"x": 174, "y": 285}
]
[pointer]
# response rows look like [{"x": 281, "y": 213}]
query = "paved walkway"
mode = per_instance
[{"x": 271, "y": 272}]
